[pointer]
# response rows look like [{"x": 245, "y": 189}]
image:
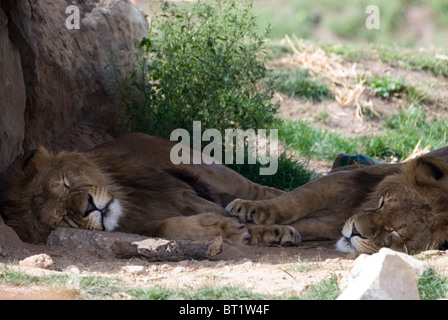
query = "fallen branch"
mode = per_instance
[
  {"x": 125, "y": 245},
  {"x": 168, "y": 250}
]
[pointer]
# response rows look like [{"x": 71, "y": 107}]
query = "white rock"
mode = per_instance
[
  {"x": 386, "y": 275},
  {"x": 418, "y": 266},
  {"x": 42, "y": 261},
  {"x": 133, "y": 269},
  {"x": 72, "y": 269}
]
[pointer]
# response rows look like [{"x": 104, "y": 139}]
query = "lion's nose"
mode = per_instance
[
  {"x": 92, "y": 206},
  {"x": 355, "y": 231}
]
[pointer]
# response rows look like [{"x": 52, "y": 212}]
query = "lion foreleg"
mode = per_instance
[
  {"x": 202, "y": 226},
  {"x": 291, "y": 206}
]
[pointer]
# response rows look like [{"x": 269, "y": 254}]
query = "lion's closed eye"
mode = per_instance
[{"x": 66, "y": 182}]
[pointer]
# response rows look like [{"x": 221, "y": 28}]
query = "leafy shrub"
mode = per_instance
[
  {"x": 290, "y": 175},
  {"x": 201, "y": 61}
]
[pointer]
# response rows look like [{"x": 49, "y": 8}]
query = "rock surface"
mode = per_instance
[
  {"x": 42, "y": 261},
  {"x": 12, "y": 97},
  {"x": 8, "y": 237},
  {"x": 386, "y": 275},
  {"x": 56, "y": 79}
]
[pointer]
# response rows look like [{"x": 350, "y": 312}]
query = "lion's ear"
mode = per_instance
[
  {"x": 34, "y": 159},
  {"x": 428, "y": 170}
]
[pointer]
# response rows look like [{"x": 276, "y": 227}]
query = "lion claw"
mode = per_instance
[{"x": 250, "y": 212}]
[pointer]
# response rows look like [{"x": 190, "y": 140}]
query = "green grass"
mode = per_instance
[
  {"x": 416, "y": 60},
  {"x": 298, "y": 83},
  {"x": 325, "y": 290},
  {"x": 432, "y": 286},
  {"x": 346, "y": 20},
  {"x": 86, "y": 287},
  {"x": 22, "y": 279},
  {"x": 398, "y": 138},
  {"x": 386, "y": 87},
  {"x": 100, "y": 288},
  {"x": 201, "y": 293},
  {"x": 313, "y": 142},
  {"x": 393, "y": 54}
]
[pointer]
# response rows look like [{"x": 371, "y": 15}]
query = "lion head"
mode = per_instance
[
  {"x": 407, "y": 212},
  {"x": 47, "y": 191}
]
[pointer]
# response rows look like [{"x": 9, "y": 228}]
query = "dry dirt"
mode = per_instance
[
  {"x": 267, "y": 270},
  {"x": 272, "y": 271}
]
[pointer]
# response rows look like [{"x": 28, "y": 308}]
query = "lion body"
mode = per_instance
[
  {"x": 130, "y": 185},
  {"x": 401, "y": 206}
]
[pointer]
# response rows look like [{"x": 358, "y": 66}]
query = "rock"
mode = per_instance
[
  {"x": 418, "y": 266},
  {"x": 8, "y": 237},
  {"x": 42, "y": 261},
  {"x": 91, "y": 240},
  {"x": 12, "y": 97},
  {"x": 386, "y": 275},
  {"x": 55, "y": 79},
  {"x": 133, "y": 269},
  {"x": 72, "y": 269}
]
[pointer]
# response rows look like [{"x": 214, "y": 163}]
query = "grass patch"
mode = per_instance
[
  {"x": 416, "y": 60},
  {"x": 432, "y": 286},
  {"x": 325, "y": 290},
  {"x": 87, "y": 287},
  {"x": 299, "y": 84},
  {"x": 100, "y": 288},
  {"x": 202, "y": 293},
  {"x": 313, "y": 142},
  {"x": 386, "y": 87},
  {"x": 398, "y": 138},
  {"x": 16, "y": 278}
]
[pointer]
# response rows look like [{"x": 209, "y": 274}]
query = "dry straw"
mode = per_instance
[{"x": 346, "y": 84}]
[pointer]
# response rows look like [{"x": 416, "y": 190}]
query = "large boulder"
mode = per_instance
[
  {"x": 12, "y": 97},
  {"x": 60, "y": 78},
  {"x": 386, "y": 275}
]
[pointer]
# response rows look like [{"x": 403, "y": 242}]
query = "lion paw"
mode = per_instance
[
  {"x": 277, "y": 235},
  {"x": 234, "y": 232},
  {"x": 251, "y": 212}
]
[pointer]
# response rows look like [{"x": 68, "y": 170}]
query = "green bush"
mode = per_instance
[
  {"x": 290, "y": 175},
  {"x": 201, "y": 61}
]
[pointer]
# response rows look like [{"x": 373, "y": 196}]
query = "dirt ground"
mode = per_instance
[
  {"x": 272, "y": 271},
  {"x": 267, "y": 270}
]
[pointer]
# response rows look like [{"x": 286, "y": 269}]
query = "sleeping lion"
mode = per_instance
[
  {"x": 130, "y": 185},
  {"x": 400, "y": 206}
]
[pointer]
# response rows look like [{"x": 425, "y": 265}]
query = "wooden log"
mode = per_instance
[
  {"x": 125, "y": 245},
  {"x": 154, "y": 249}
]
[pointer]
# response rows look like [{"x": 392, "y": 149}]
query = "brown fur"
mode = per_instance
[
  {"x": 131, "y": 178},
  {"x": 401, "y": 206}
]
